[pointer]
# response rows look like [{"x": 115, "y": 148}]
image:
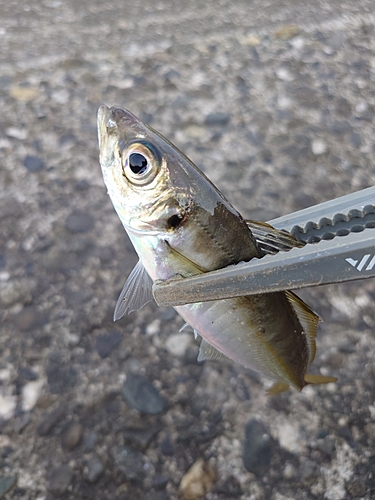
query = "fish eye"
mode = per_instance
[{"x": 139, "y": 164}]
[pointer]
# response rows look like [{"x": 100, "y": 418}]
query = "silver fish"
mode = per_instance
[{"x": 180, "y": 224}]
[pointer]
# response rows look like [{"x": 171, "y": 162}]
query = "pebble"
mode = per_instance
[
  {"x": 318, "y": 147},
  {"x": 7, "y": 406},
  {"x": 12, "y": 292},
  {"x": 28, "y": 318},
  {"x": 129, "y": 462},
  {"x": 79, "y": 222},
  {"x": 30, "y": 394},
  {"x": 142, "y": 395},
  {"x": 33, "y": 163},
  {"x": 17, "y": 133},
  {"x": 94, "y": 470},
  {"x": 107, "y": 342},
  {"x": 178, "y": 343},
  {"x": 61, "y": 375},
  {"x": 286, "y": 32},
  {"x": 257, "y": 451},
  {"x": 6, "y": 482},
  {"x": 59, "y": 479},
  {"x": 25, "y": 373},
  {"x": 23, "y": 93},
  {"x": 153, "y": 328},
  {"x": 50, "y": 421},
  {"x": 141, "y": 437},
  {"x": 217, "y": 118},
  {"x": 72, "y": 437},
  {"x": 198, "y": 481}
]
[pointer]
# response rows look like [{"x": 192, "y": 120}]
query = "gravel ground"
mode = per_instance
[{"x": 275, "y": 101}]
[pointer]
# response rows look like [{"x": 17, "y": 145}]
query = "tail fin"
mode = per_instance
[{"x": 311, "y": 378}]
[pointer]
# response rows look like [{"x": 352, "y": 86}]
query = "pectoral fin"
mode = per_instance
[
  {"x": 136, "y": 292},
  {"x": 272, "y": 240},
  {"x": 207, "y": 351}
]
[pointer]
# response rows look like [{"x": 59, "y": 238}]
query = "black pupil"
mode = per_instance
[{"x": 137, "y": 163}]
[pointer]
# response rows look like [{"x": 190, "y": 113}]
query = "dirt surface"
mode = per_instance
[{"x": 275, "y": 102}]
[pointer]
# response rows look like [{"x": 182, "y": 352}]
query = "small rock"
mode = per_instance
[
  {"x": 142, "y": 395},
  {"x": 6, "y": 482},
  {"x": 60, "y": 375},
  {"x": 72, "y": 437},
  {"x": 308, "y": 469},
  {"x": 129, "y": 462},
  {"x": 59, "y": 479},
  {"x": 159, "y": 481},
  {"x": 30, "y": 394},
  {"x": 68, "y": 140},
  {"x": 357, "y": 488},
  {"x": 356, "y": 139},
  {"x": 178, "y": 343},
  {"x": 89, "y": 440},
  {"x": 21, "y": 421},
  {"x": 318, "y": 147},
  {"x": 166, "y": 447},
  {"x": 250, "y": 40},
  {"x": 50, "y": 421},
  {"x": 94, "y": 470},
  {"x": 15, "y": 292},
  {"x": 230, "y": 488},
  {"x": 25, "y": 373},
  {"x": 218, "y": 118},
  {"x": 106, "y": 343},
  {"x": 33, "y": 163},
  {"x": 343, "y": 107},
  {"x": 28, "y": 319},
  {"x": 153, "y": 328},
  {"x": 7, "y": 406},
  {"x": 197, "y": 481},
  {"x": 287, "y": 32},
  {"x": 17, "y": 133},
  {"x": 79, "y": 223},
  {"x": 257, "y": 450},
  {"x": 23, "y": 93},
  {"x": 141, "y": 437},
  {"x": 326, "y": 445}
]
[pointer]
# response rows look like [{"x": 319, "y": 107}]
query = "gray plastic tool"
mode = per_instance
[{"x": 340, "y": 237}]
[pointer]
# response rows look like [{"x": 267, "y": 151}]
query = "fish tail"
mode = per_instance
[{"x": 312, "y": 378}]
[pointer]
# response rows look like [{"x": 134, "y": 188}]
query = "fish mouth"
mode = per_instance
[{"x": 116, "y": 117}]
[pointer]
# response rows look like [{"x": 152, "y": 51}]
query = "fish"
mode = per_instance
[{"x": 180, "y": 224}]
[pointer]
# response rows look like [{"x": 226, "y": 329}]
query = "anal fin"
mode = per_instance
[
  {"x": 278, "y": 388},
  {"x": 208, "y": 351}
]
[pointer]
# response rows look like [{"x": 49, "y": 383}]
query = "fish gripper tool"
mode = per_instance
[{"x": 339, "y": 237}]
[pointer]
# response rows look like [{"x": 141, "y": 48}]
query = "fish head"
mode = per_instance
[{"x": 152, "y": 185}]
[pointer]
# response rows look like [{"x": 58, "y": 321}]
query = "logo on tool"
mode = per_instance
[{"x": 360, "y": 264}]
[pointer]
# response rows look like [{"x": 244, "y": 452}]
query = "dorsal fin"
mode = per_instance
[
  {"x": 308, "y": 319},
  {"x": 272, "y": 240},
  {"x": 136, "y": 292}
]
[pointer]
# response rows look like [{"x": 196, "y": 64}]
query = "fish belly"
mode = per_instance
[{"x": 260, "y": 332}]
